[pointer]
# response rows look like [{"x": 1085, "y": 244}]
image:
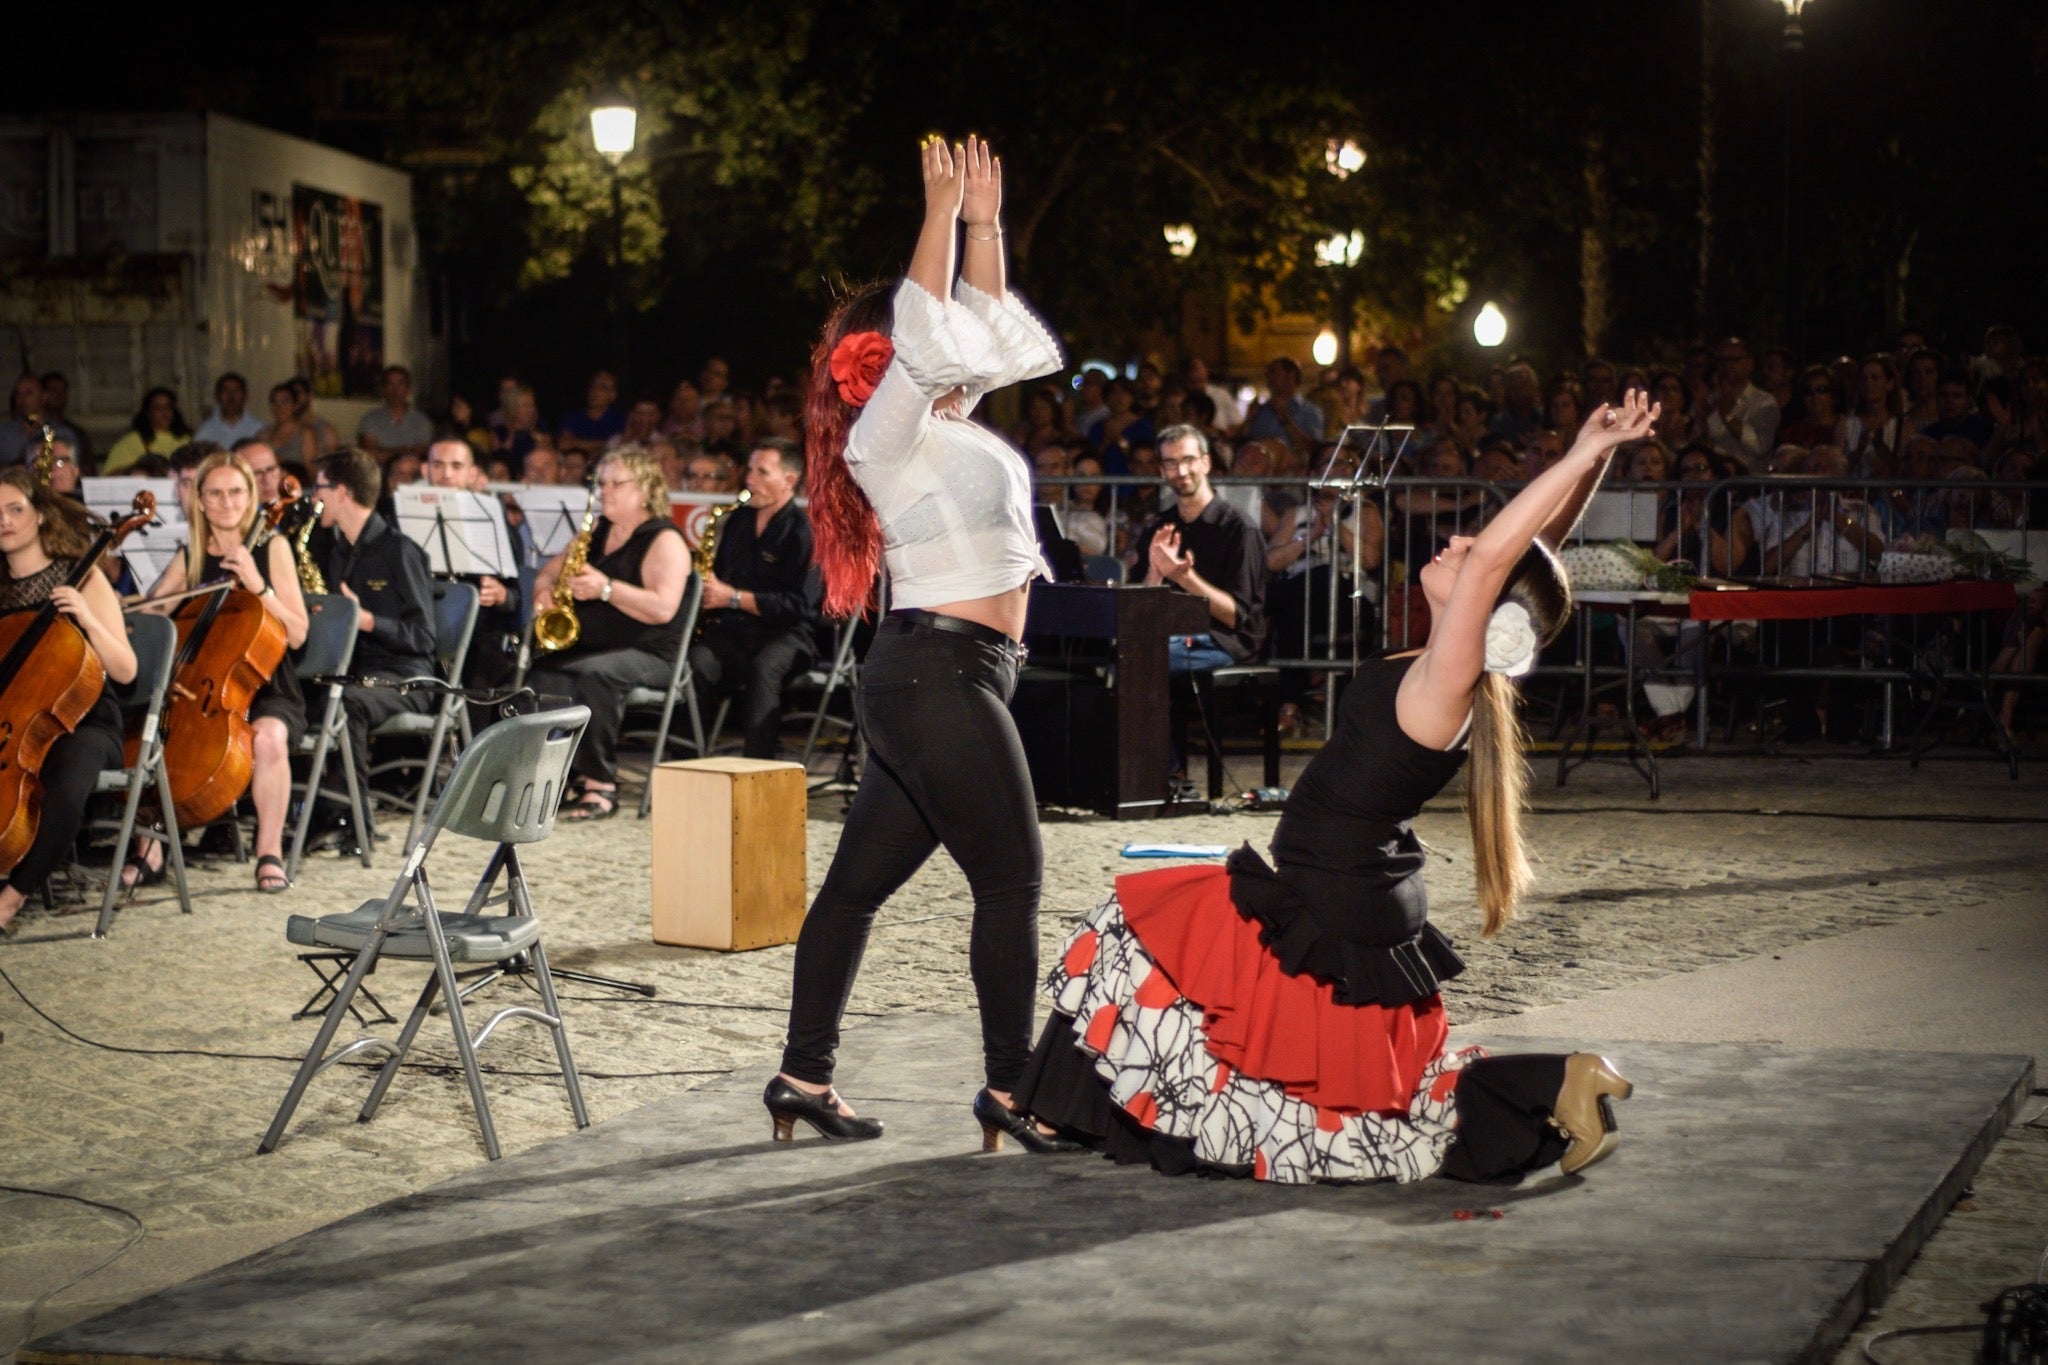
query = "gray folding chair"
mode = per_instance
[
  {"x": 455, "y": 608},
  {"x": 155, "y": 641},
  {"x": 681, "y": 687},
  {"x": 842, "y": 673},
  {"x": 329, "y": 650},
  {"x": 504, "y": 791}
]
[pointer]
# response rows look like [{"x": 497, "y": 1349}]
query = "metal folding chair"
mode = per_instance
[
  {"x": 155, "y": 641},
  {"x": 504, "y": 791},
  {"x": 841, "y": 673},
  {"x": 455, "y": 609},
  {"x": 681, "y": 687},
  {"x": 329, "y": 650}
]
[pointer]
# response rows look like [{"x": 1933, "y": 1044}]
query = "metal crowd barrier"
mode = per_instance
[{"x": 1360, "y": 603}]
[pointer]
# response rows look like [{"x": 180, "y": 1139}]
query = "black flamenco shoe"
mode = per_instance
[
  {"x": 787, "y": 1104},
  {"x": 998, "y": 1118}
]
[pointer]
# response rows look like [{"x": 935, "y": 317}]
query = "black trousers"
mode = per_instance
[
  {"x": 599, "y": 680},
  {"x": 364, "y": 708},
  {"x": 945, "y": 769},
  {"x": 70, "y": 771},
  {"x": 754, "y": 660}
]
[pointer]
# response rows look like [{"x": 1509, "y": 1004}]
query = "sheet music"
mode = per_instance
[
  {"x": 463, "y": 532},
  {"x": 553, "y": 516},
  {"x": 150, "y": 550}
]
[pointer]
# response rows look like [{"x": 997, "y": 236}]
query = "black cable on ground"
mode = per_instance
[
  {"x": 442, "y": 1068},
  {"x": 134, "y": 1239}
]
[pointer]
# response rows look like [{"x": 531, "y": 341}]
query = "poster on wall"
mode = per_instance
[{"x": 338, "y": 292}]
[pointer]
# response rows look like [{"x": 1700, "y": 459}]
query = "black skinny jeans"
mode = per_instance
[
  {"x": 945, "y": 768},
  {"x": 70, "y": 772}
]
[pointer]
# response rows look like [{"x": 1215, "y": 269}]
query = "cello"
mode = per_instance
[
  {"x": 49, "y": 678},
  {"x": 229, "y": 644}
]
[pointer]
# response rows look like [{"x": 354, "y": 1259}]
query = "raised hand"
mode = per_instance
[
  {"x": 1610, "y": 426},
  {"x": 982, "y": 201},
  {"x": 945, "y": 176}
]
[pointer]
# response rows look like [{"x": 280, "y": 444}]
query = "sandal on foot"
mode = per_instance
[
  {"x": 595, "y": 804},
  {"x": 271, "y": 883},
  {"x": 145, "y": 875}
]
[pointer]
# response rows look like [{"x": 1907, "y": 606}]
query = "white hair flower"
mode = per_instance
[{"x": 1510, "y": 640}]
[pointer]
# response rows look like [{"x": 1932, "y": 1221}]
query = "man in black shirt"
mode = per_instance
[
  {"x": 761, "y": 601},
  {"x": 385, "y": 575},
  {"x": 1203, "y": 545}
]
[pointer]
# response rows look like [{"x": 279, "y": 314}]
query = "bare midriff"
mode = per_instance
[{"x": 1003, "y": 612}]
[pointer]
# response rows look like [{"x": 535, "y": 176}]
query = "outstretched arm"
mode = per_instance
[
  {"x": 1456, "y": 654},
  {"x": 981, "y": 209}
]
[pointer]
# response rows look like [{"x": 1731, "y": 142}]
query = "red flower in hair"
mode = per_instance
[{"x": 857, "y": 364}]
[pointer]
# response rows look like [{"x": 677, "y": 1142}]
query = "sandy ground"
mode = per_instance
[{"x": 1742, "y": 857}]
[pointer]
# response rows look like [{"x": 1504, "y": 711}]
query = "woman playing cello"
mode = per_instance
[
  {"x": 41, "y": 538},
  {"x": 227, "y": 512}
]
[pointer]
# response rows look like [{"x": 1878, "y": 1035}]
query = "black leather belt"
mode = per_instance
[{"x": 916, "y": 618}]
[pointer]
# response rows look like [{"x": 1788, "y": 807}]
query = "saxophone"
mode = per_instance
[
  {"x": 311, "y": 580},
  {"x": 707, "y": 541},
  {"x": 556, "y": 627}
]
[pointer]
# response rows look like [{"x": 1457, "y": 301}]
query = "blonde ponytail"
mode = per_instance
[{"x": 1495, "y": 784}]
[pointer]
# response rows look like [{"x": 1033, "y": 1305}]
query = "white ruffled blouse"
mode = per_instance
[{"x": 953, "y": 498}]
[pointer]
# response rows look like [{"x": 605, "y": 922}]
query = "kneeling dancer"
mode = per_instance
[{"x": 1284, "y": 1022}]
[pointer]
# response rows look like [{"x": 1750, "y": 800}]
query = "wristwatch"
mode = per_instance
[{"x": 606, "y": 594}]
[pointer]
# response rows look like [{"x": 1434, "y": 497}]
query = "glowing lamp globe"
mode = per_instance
[
  {"x": 1325, "y": 348},
  {"x": 612, "y": 125},
  {"x": 1490, "y": 328}
]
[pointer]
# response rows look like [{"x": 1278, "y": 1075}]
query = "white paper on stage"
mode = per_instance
[
  {"x": 463, "y": 532},
  {"x": 113, "y": 497},
  {"x": 1614, "y": 515},
  {"x": 553, "y": 516},
  {"x": 150, "y": 551}
]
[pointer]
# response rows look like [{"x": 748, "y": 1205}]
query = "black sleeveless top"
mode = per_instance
[
  {"x": 27, "y": 594},
  {"x": 283, "y": 687},
  {"x": 604, "y": 625},
  {"x": 1345, "y": 902}
]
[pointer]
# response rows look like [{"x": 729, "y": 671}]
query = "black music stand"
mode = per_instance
[{"x": 463, "y": 532}]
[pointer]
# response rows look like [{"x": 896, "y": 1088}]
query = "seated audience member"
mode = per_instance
[
  {"x": 575, "y": 469},
  {"x": 370, "y": 563},
  {"x": 1050, "y": 462},
  {"x": 230, "y": 422},
  {"x": 541, "y": 467},
  {"x": 761, "y": 603},
  {"x": 628, "y": 601},
  {"x": 294, "y": 440},
  {"x": 21, "y": 436},
  {"x": 1823, "y": 532},
  {"x": 1087, "y": 509},
  {"x": 396, "y": 427},
  {"x": 643, "y": 425},
  {"x": 302, "y": 411},
  {"x": 501, "y": 613},
  {"x": 675, "y": 469},
  {"x": 592, "y": 428},
  {"x": 704, "y": 473},
  {"x": 520, "y": 429},
  {"x": 1679, "y": 526},
  {"x": 158, "y": 428},
  {"x": 1498, "y": 462},
  {"x": 722, "y": 427},
  {"x": 1956, "y": 417},
  {"x": 1284, "y": 415},
  {"x": 1254, "y": 460},
  {"x": 1123, "y": 427},
  {"x": 263, "y": 464}
]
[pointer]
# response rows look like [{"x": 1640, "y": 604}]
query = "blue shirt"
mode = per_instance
[
  {"x": 581, "y": 425},
  {"x": 1266, "y": 425}
]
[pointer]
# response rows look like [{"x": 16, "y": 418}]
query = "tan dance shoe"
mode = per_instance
[{"x": 1584, "y": 1111}]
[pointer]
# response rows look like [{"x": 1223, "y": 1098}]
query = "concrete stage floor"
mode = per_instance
[{"x": 1762, "y": 1199}]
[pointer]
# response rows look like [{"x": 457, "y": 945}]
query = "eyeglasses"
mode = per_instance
[
  {"x": 626, "y": 482},
  {"x": 228, "y": 494},
  {"x": 1174, "y": 466}
]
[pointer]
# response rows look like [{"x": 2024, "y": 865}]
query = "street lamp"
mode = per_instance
[
  {"x": 1324, "y": 350},
  {"x": 1180, "y": 239},
  {"x": 1490, "y": 328},
  {"x": 1795, "y": 286},
  {"x": 613, "y": 124}
]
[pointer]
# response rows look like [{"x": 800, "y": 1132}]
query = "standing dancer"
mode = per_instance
[
  {"x": 1286, "y": 1024},
  {"x": 896, "y": 466}
]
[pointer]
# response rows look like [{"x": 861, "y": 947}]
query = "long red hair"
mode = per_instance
[{"x": 845, "y": 535}]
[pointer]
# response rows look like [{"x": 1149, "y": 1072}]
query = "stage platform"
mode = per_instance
[{"x": 1762, "y": 1199}]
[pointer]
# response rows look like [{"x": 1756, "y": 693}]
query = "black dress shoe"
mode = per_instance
[
  {"x": 787, "y": 1104},
  {"x": 998, "y": 1118}
]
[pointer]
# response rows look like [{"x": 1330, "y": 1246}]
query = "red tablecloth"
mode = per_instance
[{"x": 1878, "y": 599}]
